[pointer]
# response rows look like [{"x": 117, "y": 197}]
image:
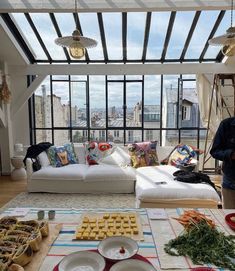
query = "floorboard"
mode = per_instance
[{"x": 9, "y": 189}]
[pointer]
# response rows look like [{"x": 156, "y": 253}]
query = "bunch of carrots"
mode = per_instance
[{"x": 191, "y": 218}]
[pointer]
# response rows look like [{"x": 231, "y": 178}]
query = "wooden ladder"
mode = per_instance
[{"x": 224, "y": 100}]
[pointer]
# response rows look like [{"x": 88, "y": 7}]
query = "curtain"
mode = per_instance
[{"x": 204, "y": 92}]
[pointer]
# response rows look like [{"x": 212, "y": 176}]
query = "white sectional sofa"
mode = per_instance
[
  {"x": 154, "y": 186},
  {"x": 81, "y": 178}
]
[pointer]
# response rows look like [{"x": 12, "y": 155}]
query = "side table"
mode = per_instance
[{"x": 19, "y": 171}]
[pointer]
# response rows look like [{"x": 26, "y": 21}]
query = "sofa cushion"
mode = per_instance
[
  {"x": 154, "y": 183},
  {"x": 109, "y": 173},
  {"x": 69, "y": 172},
  {"x": 119, "y": 157},
  {"x": 143, "y": 154}
]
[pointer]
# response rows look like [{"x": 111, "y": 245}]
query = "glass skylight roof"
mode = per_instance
[{"x": 136, "y": 37}]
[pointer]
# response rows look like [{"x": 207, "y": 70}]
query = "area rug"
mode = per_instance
[{"x": 49, "y": 200}]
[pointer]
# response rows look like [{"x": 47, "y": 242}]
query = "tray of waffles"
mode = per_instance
[{"x": 98, "y": 226}]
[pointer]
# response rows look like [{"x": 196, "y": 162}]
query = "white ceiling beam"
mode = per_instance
[
  {"x": 26, "y": 94},
  {"x": 111, "y": 5},
  {"x": 121, "y": 69},
  {"x": 13, "y": 41}
]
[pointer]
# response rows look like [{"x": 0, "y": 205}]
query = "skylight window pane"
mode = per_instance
[
  {"x": 90, "y": 29},
  {"x": 48, "y": 34},
  {"x": 135, "y": 34},
  {"x": 201, "y": 34},
  {"x": 182, "y": 24},
  {"x": 157, "y": 34},
  {"x": 213, "y": 51},
  {"x": 113, "y": 34},
  {"x": 24, "y": 27}
]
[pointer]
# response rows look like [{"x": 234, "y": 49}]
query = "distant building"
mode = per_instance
[{"x": 184, "y": 114}]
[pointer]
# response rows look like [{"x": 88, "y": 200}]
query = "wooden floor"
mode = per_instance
[{"x": 9, "y": 189}]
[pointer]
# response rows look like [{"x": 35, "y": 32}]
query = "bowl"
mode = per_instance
[
  {"x": 132, "y": 265},
  {"x": 229, "y": 221},
  {"x": 82, "y": 260},
  {"x": 202, "y": 269},
  {"x": 118, "y": 248}
]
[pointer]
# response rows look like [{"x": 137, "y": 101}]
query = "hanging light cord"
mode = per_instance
[
  {"x": 76, "y": 14},
  {"x": 231, "y": 13}
]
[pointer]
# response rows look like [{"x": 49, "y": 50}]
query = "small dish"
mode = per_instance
[
  {"x": 132, "y": 265},
  {"x": 230, "y": 220},
  {"x": 82, "y": 260},
  {"x": 118, "y": 248}
]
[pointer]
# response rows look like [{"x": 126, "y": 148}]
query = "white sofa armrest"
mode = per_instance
[{"x": 29, "y": 167}]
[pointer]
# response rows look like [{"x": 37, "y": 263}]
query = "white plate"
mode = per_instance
[
  {"x": 82, "y": 261},
  {"x": 132, "y": 265},
  {"x": 111, "y": 246}
]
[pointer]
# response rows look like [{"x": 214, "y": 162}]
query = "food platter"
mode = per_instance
[
  {"x": 98, "y": 226},
  {"x": 82, "y": 260},
  {"x": 118, "y": 248}
]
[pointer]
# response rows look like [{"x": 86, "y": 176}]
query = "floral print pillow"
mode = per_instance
[
  {"x": 143, "y": 154},
  {"x": 95, "y": 151}
]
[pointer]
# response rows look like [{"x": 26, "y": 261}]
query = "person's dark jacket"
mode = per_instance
[{"x": 224, "y": 145}]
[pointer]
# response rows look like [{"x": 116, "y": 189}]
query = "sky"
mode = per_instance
[
  {"x": 135, "y": 33},
  {"x": 135, "y": 38}
]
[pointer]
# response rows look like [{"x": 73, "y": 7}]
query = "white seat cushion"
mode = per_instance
[
  {"x": 69, "y": 172},
  {"x": 148, "y": 190},
  {"x": 109, "y": 173}
]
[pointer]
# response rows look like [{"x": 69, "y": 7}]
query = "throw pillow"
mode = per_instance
[
  {"x": 119, "y": 157},
  {"x": 43, "y": 159},
  {"x": 62, "y": 155},
  {"x": 143, "y": 154},
  {"x": 94, "y": 151},
  {"x": 182, "y": 154}
]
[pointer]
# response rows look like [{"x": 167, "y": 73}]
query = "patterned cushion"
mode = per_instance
[
  {"x": 95, "y": 151},
  {"x": 182, "y": 154},
  {"x": 143, "y": 154},
  {"x": 62, "y": 155}
]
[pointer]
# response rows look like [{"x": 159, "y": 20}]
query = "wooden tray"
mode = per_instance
[{"x": 98, "y": 226}]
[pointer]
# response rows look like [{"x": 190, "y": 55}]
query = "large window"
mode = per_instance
[{"x": 122, "y": 109}]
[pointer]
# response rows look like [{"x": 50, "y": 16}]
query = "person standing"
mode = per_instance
[{"x": 223, "y": 149}]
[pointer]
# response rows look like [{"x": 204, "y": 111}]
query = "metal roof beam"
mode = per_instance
[
  {"x": 168, "y": 35},
  {"x": 57, "y": 29},
  {"x": 213, "y": 31},
  {"x": 146, "y": 35},
  {"x": 190, "y": 34},
  {"x": 30, "y": 21},
  {"x": 102, "y": 34},
  {"x": 124, "y": 36}
]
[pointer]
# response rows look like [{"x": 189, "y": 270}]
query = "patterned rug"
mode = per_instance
[{"x": 49, "y": 200}]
